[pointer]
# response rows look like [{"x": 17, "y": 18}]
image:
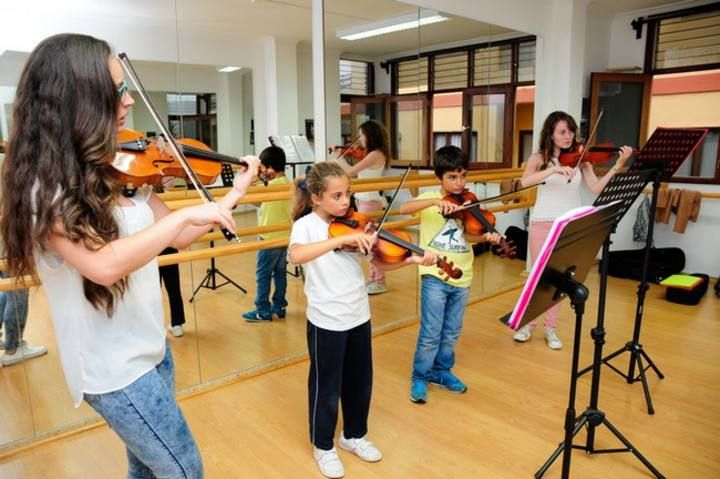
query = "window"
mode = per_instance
[
  {"x": 493, "y": 65},
  {"x": 683, "y": 40},
  {"x": 193, "y": 115},
  {"x": 450, "y": 71},
  {"x": 412, "y": 76},
  {"x": 355, "y": 78},
  {"x": 526, "y": 62}
]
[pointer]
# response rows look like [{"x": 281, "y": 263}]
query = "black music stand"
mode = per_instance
[
  {"x": 559, "y": 271},
  {"x": 657, "y": 161},
  {"x": 210, "y": 280},
  {"x": 625, "y": 188}
]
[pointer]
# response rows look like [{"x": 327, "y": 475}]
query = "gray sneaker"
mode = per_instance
[
  {"x": 376, "y": 288},
  {"x": 23, "y": 352},
  {"x": 523, "y": 334}
]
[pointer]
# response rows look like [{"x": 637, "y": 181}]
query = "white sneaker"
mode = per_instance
[
  {"x": 176, "y": 331},
  {"x": 329, "y": 462},
  {"x": 361, "y": 447},
  {"x": 523, "y": 334},
  {"x": 552, "y": 339},
  {"x": 25, "y": 351},
  {"x": 376, "y": 288}
]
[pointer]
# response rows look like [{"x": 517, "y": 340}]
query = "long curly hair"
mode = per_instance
[
  {"x": 377, "y": 138},
  {"x": 547, "y": 146},
  {"x": 57, "y": 165}
]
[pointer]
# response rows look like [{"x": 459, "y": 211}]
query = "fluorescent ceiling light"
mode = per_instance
[
  {"x": 390, "y": 25},
  {"x": 228, "y": 69}
]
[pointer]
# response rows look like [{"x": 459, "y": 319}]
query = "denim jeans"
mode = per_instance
[
  {"x": 442, "y": 309},
  {"x": 13, "y": 315},
  {"x": 147, "y": 418},
  {"x": 270, "y": 267}
]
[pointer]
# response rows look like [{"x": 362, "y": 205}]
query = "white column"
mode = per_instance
[{"x": 318, "y": 50}]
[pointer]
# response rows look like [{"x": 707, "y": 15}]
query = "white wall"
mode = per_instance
[{"x": 700, "y": 240}]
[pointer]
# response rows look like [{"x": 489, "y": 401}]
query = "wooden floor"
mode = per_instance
[
  {"x": 505, "y": 426},
  {"x": 217, "y": 342}
]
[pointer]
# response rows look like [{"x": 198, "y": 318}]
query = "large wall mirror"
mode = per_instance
[{"x": 233, "y": 76}]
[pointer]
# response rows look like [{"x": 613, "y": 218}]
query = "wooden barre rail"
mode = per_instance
[
  {"x": 8, "y": 284},
  {"x": 258, "y": 194}
]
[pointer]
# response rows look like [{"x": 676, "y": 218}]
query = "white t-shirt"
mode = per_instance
[
  {"x": 334, "y": 282},
  {"x": 556, "y": 197},
  {"x": 101, "y": 354}
]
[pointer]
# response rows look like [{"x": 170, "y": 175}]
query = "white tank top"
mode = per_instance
[
  {"x": 370, "y": 173},
  {"x": 100, "y": 354},
  {"x": 557, "y": 196}
]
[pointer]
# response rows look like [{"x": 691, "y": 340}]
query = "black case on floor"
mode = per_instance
[
  {"x": 689, "y": 296},
  {"x": 663, "y": 263}
]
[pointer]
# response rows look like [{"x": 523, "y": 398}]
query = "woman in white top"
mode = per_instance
[
  {"x": 65, "y": 220},
  {"x": 559, "y": 194},
  {"x": 374, "y": 139}
]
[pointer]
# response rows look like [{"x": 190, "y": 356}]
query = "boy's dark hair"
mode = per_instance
[
  {"x": 274, "y": 157},
  {"x": 449, "y": 158}
]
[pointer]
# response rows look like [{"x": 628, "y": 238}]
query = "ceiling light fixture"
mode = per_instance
[
  {"x": 390, "y": 25},
  {"x": 228, "y": 69}
]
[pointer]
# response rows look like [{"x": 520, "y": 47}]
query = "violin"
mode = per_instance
[
  {"x": 478, "y": 221},
  {"x": 392, "y": 246},
  {"x": 354, "y": 152},
  {"x": 143, "y": 161},
  {"x": 595, "y": 154}
]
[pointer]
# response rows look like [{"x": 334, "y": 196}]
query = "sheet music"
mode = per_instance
[
  {"x": 302, "y": 146},
  {"x": 286, "y": 143}
]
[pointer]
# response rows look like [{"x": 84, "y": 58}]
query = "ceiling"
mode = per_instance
[{"x": 292, "y": 20}]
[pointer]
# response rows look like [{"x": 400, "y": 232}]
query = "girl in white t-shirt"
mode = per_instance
[
  {"x": 338, "y": 312},
  {"x": 65, "y": 220},
  {"x": 559, "y": 194}
]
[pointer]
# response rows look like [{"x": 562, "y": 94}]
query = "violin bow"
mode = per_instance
[
  {"x": 392, "y": 200},
  {"x": 587, "y": 142},
  {"x": 495, "y": 198},
  {"x": 177, "y": 151},
  {"x": 347, "y": 148}
]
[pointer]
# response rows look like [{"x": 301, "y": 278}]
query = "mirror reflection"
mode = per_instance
[{"x": 398, "y": 97}]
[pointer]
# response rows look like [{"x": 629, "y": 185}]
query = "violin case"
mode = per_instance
[
  {"x": 689, "y": 296},
  {"x": 663, "y": 263}
]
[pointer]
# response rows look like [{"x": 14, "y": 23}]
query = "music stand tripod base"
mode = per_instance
[{"x": 210, "y": 279}]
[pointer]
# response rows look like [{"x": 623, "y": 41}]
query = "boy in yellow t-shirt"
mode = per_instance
[
  {"x": 442, "y": 302},
  {"x": 271, "y": 262}
]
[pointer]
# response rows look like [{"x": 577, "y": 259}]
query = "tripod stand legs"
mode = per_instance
[
  {"x": 209, "y": 281},
  {"x": 596, "y": 418},
  {"x": 637, "y": 353}
]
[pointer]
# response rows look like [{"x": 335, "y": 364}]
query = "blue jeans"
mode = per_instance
[
  {"x": 13, "y": 315},
  {"x": 441, "y": 320},
  {"x": 270, "y": 267},
  {"x": 147, "y": 418}
]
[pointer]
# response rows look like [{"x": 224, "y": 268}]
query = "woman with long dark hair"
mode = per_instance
[
  {"x": 559, "y": 193},
  {"x": 65, "y": 221},
  {"x": 375, "y": 140}
]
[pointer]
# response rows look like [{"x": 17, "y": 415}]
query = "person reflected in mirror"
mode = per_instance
[
  {"x": 375, "y": 140},
  {"x": 559, "y": 193},
  {"x": 13, "y": 319},
  {"x": 270, "y": 265},
  {"x": 64, "y": 220},
  {"x": 442, "y": 300},
  {"x": 170, "y": 278}
]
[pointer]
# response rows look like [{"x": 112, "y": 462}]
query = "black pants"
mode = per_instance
[
  {"x": 340, "y": 371},
  {"x": 170, "y": 277}
]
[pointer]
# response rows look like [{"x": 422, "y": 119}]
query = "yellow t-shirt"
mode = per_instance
[
  {"x": 275, "y": 212},
  {"x": 445, "y": 237}
]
